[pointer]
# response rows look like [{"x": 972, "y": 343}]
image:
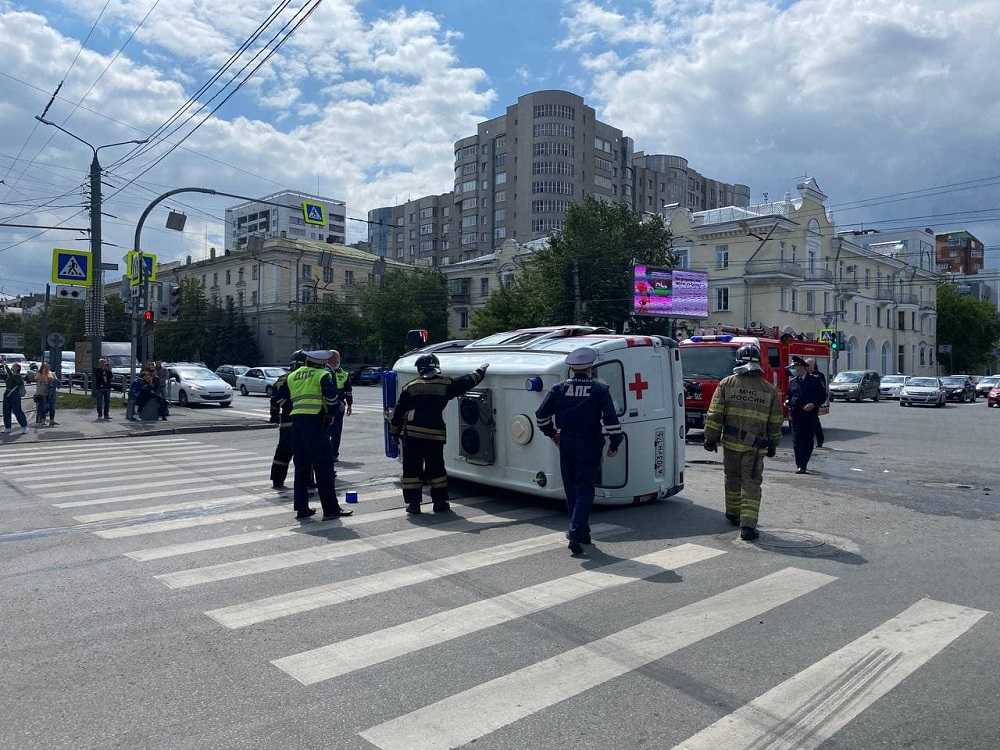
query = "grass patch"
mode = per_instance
[{"x": 81, "y": 401}]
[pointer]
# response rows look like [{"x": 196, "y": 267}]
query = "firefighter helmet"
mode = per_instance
[
  {"x": 428, "y": 364},
  {"x": 748, "y": 353}
]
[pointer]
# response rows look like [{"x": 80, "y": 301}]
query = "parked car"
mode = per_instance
[
  {"x": 959, "y": 388},
  {"x": 987, "y": 384},
  {"x": 855, "y": 385},
  {"x": 259, "y": 380},
  {"x": 368, "y": 375},
  {"x": 891, "y": 385},
  {"x": 927, "y": 391},
  {"x": 230, "y": 373},
  {"x": 993, "y": 398},
  {"x": 194, "y": 384}
]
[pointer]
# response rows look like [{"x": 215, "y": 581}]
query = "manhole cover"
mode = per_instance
[
  {"x": 789, "y": 540},
  {"x": 803, "y": 543}
]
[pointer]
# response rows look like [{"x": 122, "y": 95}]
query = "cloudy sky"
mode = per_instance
[{"x": 893, "y": 103}]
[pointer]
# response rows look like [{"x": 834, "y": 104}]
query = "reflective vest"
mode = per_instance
[
  {"x": 342, "y": 377},
  {"x": 306, "y": 387}
]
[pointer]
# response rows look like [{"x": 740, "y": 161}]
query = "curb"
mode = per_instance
[{"x": 191, "y": 430}]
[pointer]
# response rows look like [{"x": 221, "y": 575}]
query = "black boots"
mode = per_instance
[
  {"x": 733, "y": 519},
  {"x": 748, "y": 533}
]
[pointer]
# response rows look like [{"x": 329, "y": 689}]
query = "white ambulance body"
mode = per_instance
[{"x": 493, "y": 438}]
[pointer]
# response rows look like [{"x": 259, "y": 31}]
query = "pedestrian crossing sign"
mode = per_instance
[
  {"x": 132, "y": 264},
  {"x": 71, "y": 267},
  {"x": 827, "y": 335},
  {"x": 314, "y": 213}
]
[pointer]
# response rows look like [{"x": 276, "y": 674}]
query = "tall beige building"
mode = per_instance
[{"x": 783, "y": 264}]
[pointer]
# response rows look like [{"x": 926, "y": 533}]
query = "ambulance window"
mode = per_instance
[
  {"x": 613, "y": 374},
  {"x": 773, "y": 357}
]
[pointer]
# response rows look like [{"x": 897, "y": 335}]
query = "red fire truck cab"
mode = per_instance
[{"x": 708, "y": 359}]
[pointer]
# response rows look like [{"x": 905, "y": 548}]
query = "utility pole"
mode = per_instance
[{"x": 95, "y": 317}]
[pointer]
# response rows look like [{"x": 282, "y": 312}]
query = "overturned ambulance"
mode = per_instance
[{"x": 492, "y": 435}]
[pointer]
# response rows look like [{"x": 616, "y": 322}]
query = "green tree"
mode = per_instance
[
  {"x": 585, "y": 275},
  {"x": 185, "y": 338},
  {"x": 332, "y": 323},
  {"x": 116, "y": 323},
  {"x": 970, "y": 325},
  {"x": 405, "y": 300}
]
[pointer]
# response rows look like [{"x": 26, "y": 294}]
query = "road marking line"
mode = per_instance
[
  {"x": 325, "y": 595},
  {"x": 474, "y": 713},
  {"x": 176, "y": 453},
  {"x": 155, "y": 527},
  {"x": 330, "y": 551},
  {"x": 206, "y": 504},
  {"x": 204, "y": 484},
  {"x": 250, "y": 537},
  {"x": 243, "y": 466},
  {"x": 62, "y": 450},
  {"x": 150, "y": 474},
  {"x": 261, "y": 414},
  {"x": 337, "y": 659},
  {"x": 808, "y": 709}
]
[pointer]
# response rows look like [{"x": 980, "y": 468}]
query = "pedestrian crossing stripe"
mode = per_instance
[
  {"x": 48, "y": 452},
  {"x": 91, "y": 463},
  {"x": 481, "y": 710},
  {"x": 167, "y": 473},
  {"x": 337, "y": 659}
]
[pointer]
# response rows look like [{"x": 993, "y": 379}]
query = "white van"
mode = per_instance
[{"x": 493, "y": 438}]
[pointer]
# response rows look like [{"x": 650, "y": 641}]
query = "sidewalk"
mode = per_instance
[{"x": 82, "y": 424}]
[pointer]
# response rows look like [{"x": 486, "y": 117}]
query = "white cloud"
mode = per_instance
[
  {"x": 328, "y": 120},
  {"x": 590, "y": 21},
  {"x": 870, "y": 97}
]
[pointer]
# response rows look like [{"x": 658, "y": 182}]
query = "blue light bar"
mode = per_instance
[{"x": 533, "y": 383}]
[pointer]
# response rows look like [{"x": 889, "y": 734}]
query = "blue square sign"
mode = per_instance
[{"x": 72, "y": 267}]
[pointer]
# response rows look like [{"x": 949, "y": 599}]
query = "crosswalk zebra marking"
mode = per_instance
[
  {"x": 151, "y": 473},
  {"x": 808, "y": 709},
  {"x": 207, "y": 485},
  {"x": 330, "y": 551},
  {"x": 467, "y": 716},
  {"x": 316, "y": 597},
  {"x": 337, "y": 659},
  {"x": 154, "y": 510},
  {"x": 89, "y": 463},
  {"x": 13, "y": 454},
  {"x": 242, "y": 469},
  {"x": 261, "y": 535}
]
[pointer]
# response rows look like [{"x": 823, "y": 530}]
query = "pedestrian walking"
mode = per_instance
[
  {"x": 805, "y": 395},
  {"x": 134, "y": 390},
  {"x": 45, "y": 396},
  {"x": 745, "y": 416},
  {"x": 313, "y": 395},
  {"x": 281, "y": 415},
  {"x": 14, "y": 391},
  {"x": 572, "y": 414},
  {"x": 418, "y": 420},
  {"x": 813, "y": 369},
  {"x": 345, "y": 404},
  {"x": 102, "y": 389}
]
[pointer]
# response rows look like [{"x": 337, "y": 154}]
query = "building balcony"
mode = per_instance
[
  {"x": 908, "y": 299},
  {"x": 458, "y": 298},
  {"x": 774, "y": 269},
  {"x": 818, "y": 276},
  {"x": 884, "y": 294},
  {"x": 848, "y": 287}
]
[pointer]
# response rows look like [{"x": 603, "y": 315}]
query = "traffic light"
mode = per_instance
[
  {"x": 147, "y": 321},
  {"x": 174, "y": 302},
  {"x": 835, "y": 342}
]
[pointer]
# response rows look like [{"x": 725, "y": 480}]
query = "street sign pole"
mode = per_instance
[
  {"x": 45, "y": 319},
  {"x": 97, "y": 289}
]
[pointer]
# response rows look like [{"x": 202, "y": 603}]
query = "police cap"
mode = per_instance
[
  {"x": 797, "y": 361},
  {"x": 582, "y": 358},
  {"x": 318, "y": 356}
]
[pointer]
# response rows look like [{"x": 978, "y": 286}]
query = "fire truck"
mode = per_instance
[
  {"x": 492, "y": 435},
  {"x": 709, "y": 358}
]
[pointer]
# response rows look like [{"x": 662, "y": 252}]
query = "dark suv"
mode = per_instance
[
  {"x": 855, "y": 385},
  {"x": 959, "y": 388}
]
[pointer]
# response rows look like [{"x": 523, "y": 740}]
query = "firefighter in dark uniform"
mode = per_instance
[
  {"x": 281, "y": 415},
  {"x": 313, "y": 395},
  {"x": 806, "y": 395},
  {"x": 572, "y": 414},
  {"x": 418, "y": 419},
  {"x": 345, "y": 403},
  {"x": 745, "y": 416}
]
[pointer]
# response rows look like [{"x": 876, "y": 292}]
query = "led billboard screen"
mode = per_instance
[{"x": 670, "y": 294}]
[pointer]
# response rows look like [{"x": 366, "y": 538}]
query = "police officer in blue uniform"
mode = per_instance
[
  {"x": 806, "y": 395},
  {"x": 313, "y": 395},
  {"x": 572, "y": 414}
]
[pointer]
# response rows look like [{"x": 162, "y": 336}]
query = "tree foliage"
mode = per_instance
[
  {"x": 405, "y": 300},
  {"x": 333, "y": 323},
  {"x": 584, "y": 276},
  {"x": 970, "y": 325}
]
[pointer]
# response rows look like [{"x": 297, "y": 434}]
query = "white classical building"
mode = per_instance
[{"x": 783, "y": 264}]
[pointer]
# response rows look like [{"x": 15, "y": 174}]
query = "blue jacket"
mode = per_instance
[
  {"x": 805, "y": 390},
  {"x": 577, "y": 408}
]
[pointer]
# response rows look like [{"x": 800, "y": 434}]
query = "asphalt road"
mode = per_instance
[{"x": 158, "y": 594}]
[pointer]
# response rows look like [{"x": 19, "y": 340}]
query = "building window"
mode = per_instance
[
  {"x": 426, "y": 213},
  {"x": 348, "y": 277},
  {"x": 826, "y": 302},
  {"x": 500, "y": 196},
  {"x": 722, "y": 299},
  {"x": 500, "y": 143},
  {"x": 253, "y": 298},
  {"x": 239, "y": 298},
  {"x": 541, "y": 226},
  {"x": 868, "y": 315},
  {"x": 559, "y": 129},
  {"x": 781, "y": 299},
  {"x": 469, "y": 186},
  {"x": 499, "y": 233},
  {"x": 215, "y": 278},
  {"x": 463, "y": 319},
  {"x": 507, "y": 279},
  {"x": 446, "y": 211},
  {"x": 548, "y": 186},
  {"x": 682, "y": 257},
  {"x": 603, "y": 182},
  {"x": 721, "y": 256},
  {"x": 499, "y": 215},
  {"x": 553, "y": 167},
  {"x": 469, "y": 238},
  {"x": 229, "y": 276},
  {"x": 549, "y": 206},
  {"x": 426, "y": 229},
  {"x": 463, "y": 154},
  {"x": 554, "y": 148},
  {"x": 470, "y": 221},
  {"x": 878, "y": 317},
  {"x": 603, "y": 164},
  {"x": 795, "y": 300},
  {"x": 857, "y": 315},
  {"x": 810, "y": 302},
  {"x": 468, "y": 169},
  {"x": 484, "y": 287},
  {"x": 501, "y": 178},
  {"x": 253, "y": 272},
  {"x": 602, "y": 145},
  {"x": 868, "y": 278},
  {"x": 554, "y": 110},
  {"x": 426, "y": 246},
  {"x": 327, "y": 274}
]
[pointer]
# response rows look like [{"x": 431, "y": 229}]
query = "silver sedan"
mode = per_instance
[{"x": 259, "y": 380}]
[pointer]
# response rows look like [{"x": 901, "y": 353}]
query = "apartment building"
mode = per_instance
[
  {"x": 959, "y": 251},
  {"x": 783, "y": 264},
  {"x": 268, "y": 221},
  {"x": 515, "y": 178}
]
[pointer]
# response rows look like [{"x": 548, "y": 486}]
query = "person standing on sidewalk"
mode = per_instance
[
  {"x": 102, "y": 389},
  {"x": 13, "y": 392},
  {"x": 45, "y": 396},
  {"x": 814, "y": 370}
]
